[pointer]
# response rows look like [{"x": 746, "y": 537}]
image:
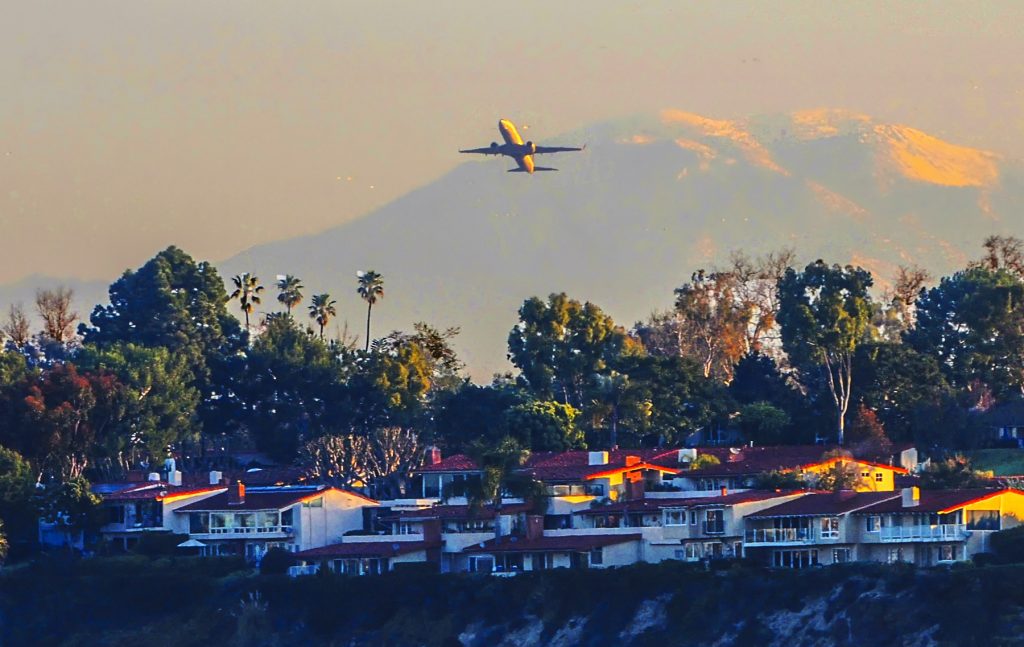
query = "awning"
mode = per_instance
[{"x": 192, "y": 543}]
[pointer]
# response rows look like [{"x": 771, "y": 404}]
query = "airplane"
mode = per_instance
[{"x": 517, "y": 150}]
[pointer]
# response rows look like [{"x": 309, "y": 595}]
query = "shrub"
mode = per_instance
[
  {"x": 276, "y": 562},
  {"x": 1008, "y": 545}
]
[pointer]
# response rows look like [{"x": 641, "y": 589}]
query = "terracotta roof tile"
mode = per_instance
[
  {"x": 561, "y": 543},
  {"x": 938, "y": 500},
  {"x": 653, "y": 505},
  {"x": 825, "y": 503},
  {"x": 263, "y": 499}
]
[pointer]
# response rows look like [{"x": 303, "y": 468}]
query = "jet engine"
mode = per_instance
[
  {"x": 530, "y": 146},
  {"x": 494, "y": 146}
]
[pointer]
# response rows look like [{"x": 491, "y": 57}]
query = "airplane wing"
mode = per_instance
[
  {"x": 486, "y": 150},
  {"x": 555, "y": 149}
]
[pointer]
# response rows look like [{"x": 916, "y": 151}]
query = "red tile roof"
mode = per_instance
[
  {"x": 366, "y": 549},
  {"x": 939, "y": 500},
  {"x": 456, "y": 512},
  {"x": 260, "y": 499},
  {"x": 562, "y": 543},
  {"x": 154, "y": 491},
  {"x": 825, "y": 503},
  {"x": 653, "y": 505}
]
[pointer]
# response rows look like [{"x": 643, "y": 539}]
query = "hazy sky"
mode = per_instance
[{"x": 215, "y": 125}]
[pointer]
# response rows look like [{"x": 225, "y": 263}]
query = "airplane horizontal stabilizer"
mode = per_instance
[{"x": 544, "y": 168}]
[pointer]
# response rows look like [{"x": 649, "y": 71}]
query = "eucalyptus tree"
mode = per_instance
[
  {"x": 371, "y": 288},
  {"x": 824, "y": 314}
]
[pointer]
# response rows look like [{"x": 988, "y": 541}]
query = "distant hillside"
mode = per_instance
[{"x": 649, "y": 201}]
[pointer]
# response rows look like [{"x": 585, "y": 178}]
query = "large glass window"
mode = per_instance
[
  {"x": 714, "y": 522},
  {"x": 675, "y": 517},
  {"x": 872, "y": 523},
  {"x": 596, "y": 556},
  {"x": 220, "y": 521},
  {"x": 983, "y": 520},
  {"x": 481, "y": 564},
  {"x": 287, "y": 517},
  {"x": 199, "y": 522},
  {"x": 830, "y": 527},
  {"x": 794, "y": 558}
]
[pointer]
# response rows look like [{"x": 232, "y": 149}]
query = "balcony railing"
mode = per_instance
[
  {"x": 250, "y": 530},
  {"x": 940, "y": 532},
  {"x": 778, "y": 535},
  {"x": 307, "y": 569}
]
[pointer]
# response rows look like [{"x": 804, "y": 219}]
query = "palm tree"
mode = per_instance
[
  {"x": 247, "y": 291},
  {"x": 289, "y": 291},
  {"x": 321, "y": 308},
  {"x": 501, "y": 475},
  {"x": 371, "y": 288}
]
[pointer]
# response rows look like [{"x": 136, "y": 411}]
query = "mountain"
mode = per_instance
[{"x": 652, "y": 199}]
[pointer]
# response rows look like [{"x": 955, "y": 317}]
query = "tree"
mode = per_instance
[
  {"x": 54, "y": 307},
  {"x": 952, "y": 473},
  {"x": 545, "y": 426},
  {"x": 779, "y": 480},
  {"x": 157, "y": 408},
  {"x": 867, "y": 436},
  {"x": 16, "y": 327},
  {"x": 4, "y": 545},
  {"x": 17, "y": 497},
  {"x": 1003, "y": 253},
  {"x": 175, "y": 303},
  {"x": 247, "y": 291},
  {"x": 473, "y": 413},
  {"x": 973, "y": 323},
  {"x": 712, "y": 324},
  {"x": 72, "y": 506},
  {"x": 289, "y": 291},
  {"x": 384, "y": 459},
  {"x": 321, "y": 309},
  {"x": 371, "y": 288},
  {"x": 704, "y": 461},
  {"x": 824, "y": 313},
  {"x": 559, "y": 345},
  {"x": 899, "y": 314},
  {"x": 841, "y": 475},
  {"x": 763, "y": 423},
  {"x": 502, "y": 475}
]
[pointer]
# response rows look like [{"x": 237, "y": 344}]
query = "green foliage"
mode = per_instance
[
  {"x": 952, "y": 473},
  {"x": 824, "y": 314},
  {"x": 72, "y": 506},
  {"x": 18, "y": 505},
  {"x": 973, "y": 324},
  {"x": 763, "y": 423},
  {"x": 704, "y": 460},
  {"x": 545, "y": 426},
  {"x": 473, "y": 413},
  {"x": 867, "y": 437},
  {"x": 155, "y": 544},
  {"x": 779, "y": 480}
]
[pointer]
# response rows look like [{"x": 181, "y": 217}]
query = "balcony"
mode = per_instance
[
  {"x": 940, "y": 532},
  {"x": 245, "y": 531},
  {"x": 779, "y": 536}
]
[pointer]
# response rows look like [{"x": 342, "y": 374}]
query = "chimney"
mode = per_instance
[
  {"x": 433, "y": 455},
  {"x": 236, "y": 495},
  {"x": 687, "y": 455},
  {"x": 632, "y": 460},
  {"x": 153, "y": 477},
  {"x": 597, "y": 458},
  {"x": 174, "y": 477},
  {"x": 432, "y": 531},
  {"x": 911, "y": 496},
  {"x": 534, "y": 526},
  {"x": 725, "y": 491}
]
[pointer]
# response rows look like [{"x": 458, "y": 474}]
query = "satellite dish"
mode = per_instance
[{"x": 360, "y": 274}]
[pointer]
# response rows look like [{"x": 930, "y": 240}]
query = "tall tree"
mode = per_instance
[
  {"x": 17, "y": 327},
  {"x": 321, "y": 309},
  {"x": 1004, "y": 253},
  {"x": 500, "y": 476},
  {"x": 289, "y": 291},
  {"x": 371, "y": 288},
  {"x": 247, "y": 291},
  {"x": 825, "y": 313},
  {"x": 973, "y": 323},
  {"x": 712, "y": 324},
  {"x": 54, "y": 308},
  {"x": 545, "y": 426}
]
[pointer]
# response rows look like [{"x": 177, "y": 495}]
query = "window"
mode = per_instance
[
  {"x": 693, "y": 517},
  {"x": 714, "y": 522},
  {"x": 830, "y": 527},
  {"x": 894, "y": 555},
  {"x": 315, "y": 503},
  {"x": 115, "y": 514},
  {"x": 864, "y": 475},
  {"x": 983, "y": 520},
  {"x": 947, "y": 553},
  {"x": 794, "y": 558},
  {"x": 596, "y": 556},
  {"x": 679, "y": 554},
  {"x": 693, "y": 552},
  {"x": 287, "y": 517},
  {"x": 675, "y": 517},
  {"x": 220, "y": 522},
  {"x": 872, "y": 523},
  {"x": 542, "y": 561},
  {"x": 481, "y": 564},
  {"x": 879, "y": 477},
  {"x": 840, "y": 555},
  {"x": 199, "y": 522}
]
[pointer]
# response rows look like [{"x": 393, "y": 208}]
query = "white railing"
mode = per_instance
[
  {"x": 778, "y": 535},
  {"x": 307, "y": 569},
  {"x": 940, "y": 532},
  {"x": 252, "y": 530}
]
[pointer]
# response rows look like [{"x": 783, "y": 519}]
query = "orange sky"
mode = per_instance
[{"x": 215, "y": 125}]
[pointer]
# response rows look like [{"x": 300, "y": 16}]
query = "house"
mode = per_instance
[
  {"x": 690, "y": 529},
  {"x": 137, "y": 509},
  {"x": 250, "y": 521},
  {"x": 1006, "y": 422},
  {"x": 536, "y": 550},
  {"x": 926, "y": 527},
  {"x": 809, "y": 530}
]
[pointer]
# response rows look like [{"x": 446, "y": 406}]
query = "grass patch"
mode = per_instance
[{"x": 1002, "y": 462}]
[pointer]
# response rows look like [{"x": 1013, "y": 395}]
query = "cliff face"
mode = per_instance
[{"x": 184, "y": 602}]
